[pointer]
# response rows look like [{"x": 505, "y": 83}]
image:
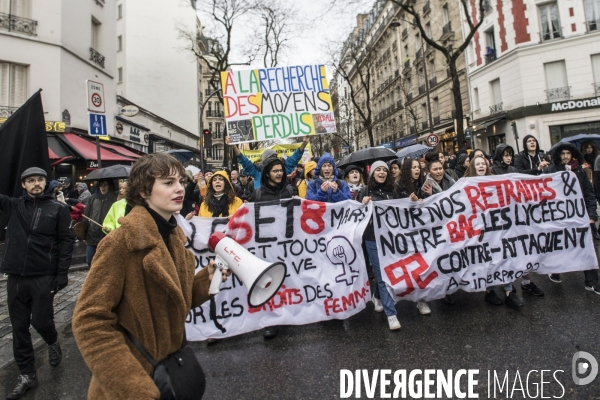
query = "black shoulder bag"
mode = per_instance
[{"x": 179, "y": 376}]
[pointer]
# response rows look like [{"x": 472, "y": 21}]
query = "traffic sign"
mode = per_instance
[
  {"x": 97, "y": 125},
  {"x": 432, "y": 140},
  {"x": 95, "y": 97}
]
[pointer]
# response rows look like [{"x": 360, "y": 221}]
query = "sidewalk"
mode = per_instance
[{"x": 64, "y": 303}]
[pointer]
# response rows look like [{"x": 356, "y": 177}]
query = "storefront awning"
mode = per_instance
[
  {"x": 406, "y": 141},
  {"x": 485, "y": 124},
  {"x": 120, "y": 149},
  {"x": 86, "y": 149}
]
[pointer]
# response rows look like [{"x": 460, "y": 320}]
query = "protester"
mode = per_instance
[
  {"x": 69, "y": 192},
  {"x": 234, "y": 177},
  {"x": 590, "y": 152},
  {"x": 409, "y": 186},
  {"x": 325, "y": 187},
  {"x": 503, "y": 157},
  {"x": 142, "y": 281},
  {"x": 97, "y": 208},
  {"x": 380, "y": 186},
  {"x": 117, "y": 211},
  {"x": 122, "y": 190},
  {"x": 478, "y": 167},
  {"x": 84, "y": 194},
  {"x": 289, "y": 164},
  {"x": 461, "y": 165},
  {"x": 55, "y": 188},
  {"x": 395, "y": 166},
  {"x": 423, "y": 164},
  {"x": 247, "y": 185},
  {"x": 39, "y": 245},
  {"x": 220, "y": 200},
  {"x": 531, "y": 160},
  {"x": 354, "y": 178},
  {"x": 309, "y": 174},
  {"x": 566, "y": 157}
]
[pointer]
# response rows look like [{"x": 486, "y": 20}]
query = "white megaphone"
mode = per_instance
[{"x": 262, "y": 279}]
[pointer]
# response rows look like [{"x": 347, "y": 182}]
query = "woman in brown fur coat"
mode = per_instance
[{"x": 142, "y": 280}]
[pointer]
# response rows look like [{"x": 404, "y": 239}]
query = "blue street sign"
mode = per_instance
[{"x": 97, "y": 125}]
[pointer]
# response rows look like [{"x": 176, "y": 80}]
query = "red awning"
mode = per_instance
[
  {"x": 87, "y": 150},
  {"x": 119, "y": 149},
  {"x": 57, "y": 150}
]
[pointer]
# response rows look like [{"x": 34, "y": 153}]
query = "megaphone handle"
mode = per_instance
[{"x": 215, "y": 283}]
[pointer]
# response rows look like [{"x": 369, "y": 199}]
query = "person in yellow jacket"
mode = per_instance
[
  {"x": 220, "y": 199},
  {"x": 111, "y": 221},
  {"x": 309, "y": 172}
]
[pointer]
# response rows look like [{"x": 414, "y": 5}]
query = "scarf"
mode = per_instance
[{"x": 218, "y": 205}]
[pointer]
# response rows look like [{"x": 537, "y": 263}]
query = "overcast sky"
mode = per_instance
[{"x": 317, "y": 26}]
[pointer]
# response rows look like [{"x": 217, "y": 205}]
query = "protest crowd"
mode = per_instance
[{"x": 125, "y": 219}]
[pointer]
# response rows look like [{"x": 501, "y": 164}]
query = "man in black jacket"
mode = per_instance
[
  {"x": 503, "y": 157},
  {"x": 39, "y": 245},
  {"x": 531, "y": 160}
]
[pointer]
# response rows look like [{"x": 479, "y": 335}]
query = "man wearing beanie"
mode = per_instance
[
  {"x": 289, "y": 164},
  {"x": 39, "y": 244}
]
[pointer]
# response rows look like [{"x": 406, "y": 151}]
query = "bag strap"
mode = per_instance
[{"x": 141, "y": 348}]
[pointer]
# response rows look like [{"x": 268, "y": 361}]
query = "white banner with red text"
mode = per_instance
[
  {"x": 482, "y": 232},
  {"x": 320, "y": 244}
]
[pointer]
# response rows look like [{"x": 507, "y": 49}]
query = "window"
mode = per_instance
[
  {"x": 495, "y": 92},
  {"x": 120, "y": 11},
  {"x": 445, "y": 14},
  {"x": 13, "y": 84},
  {"x": 119, "y": 43},
  {"x": 431, "y": 70},
  {"x": 436, "y": 107},
  {"x": 96, "y": 25},
  {"x": 476, "y": 99},
  {"x": 490, "y": 46},
  {"x": 549, "y": 21},
  {"x": 556, "y": 81},
  {"x": 417, "y": 42},
  {"x": 18, "y": 8},
  {"x": 428, "y": 30},
  {"x": 592, "y": 14},
  {"x": 596, "y": 69},
  {"x": 120, "y": 74}
]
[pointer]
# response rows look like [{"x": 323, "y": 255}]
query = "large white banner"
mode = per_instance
[
  {"x": 321, "y": 246},
  {"x": 482, "y": 232}
]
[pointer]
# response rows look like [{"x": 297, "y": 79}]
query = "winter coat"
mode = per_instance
[
  {"x": 303, "y": 186},
  {"x": 247, "y": 189},
  {"x": 377, "y": 193},
  {"x": 499, "y": 168},
  {"x": 85, "y": 194},
  {"x": 39, "y": 240},
  {"x": 97, "y": 209},
  {"x": 70, "y": 192},
  {"x": 527, "y": 164},
  {"x": 267, "y": 192},
  {"x": 416, "y": 189},
  {"x": 584, "y": 182},
  {"x": 139, "y": 283},
  {"x": 288, "y": 166},
  {"x": 444, "y": 185},
  {"x": 233, "y": 207},
  {"x": 314, "y": 191}
]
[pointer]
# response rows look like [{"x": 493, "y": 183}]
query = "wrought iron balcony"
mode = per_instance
[
  {"x": 97, "y": 57},
  {"x": 214, "y": 113},
  {"x": 436, "y": 120},
  {"x": 556, "y": 94},
  {"x": 12, "y": 23},
  {"x": 6, "y": 111},
  {"x": 426, "y": 8},
  {"x": 433, "y": 82},
  {"x": 489, "y": 58},
  {"x": 496, "y": 108},
  {"x": 421, "y": 89},
  {"x": 597, "y": 88}
]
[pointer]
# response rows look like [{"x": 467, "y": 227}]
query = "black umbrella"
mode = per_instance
[
  {"x": 366, "y": 156},
  {"x": 578, "y": 140},
  {"x": 112, "y": 172},
  {"x": 181, "y": 155}
]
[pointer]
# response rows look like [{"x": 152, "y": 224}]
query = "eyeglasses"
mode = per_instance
[
  {"x": 34, "y": 180},
  {"x": 277, "y": 171}
]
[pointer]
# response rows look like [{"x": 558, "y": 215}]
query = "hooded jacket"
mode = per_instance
[
  {"x": 85, "y": 194},
  {"x": 70, "y": 192},
  {"x": 460, "y": 168},
  {"x": 314, "y": 191},
  {"x": 233, "y": 207},
  {"x": 39, "y": 240},
  {"x": 303, "y": 186},
  {"x": 97, "y": 208},
  {"x": 584, "y": 182},
  {"x": 499, "y": 168},
  {"x": 354, "y": 189},
  {"x": 526, "y": 163},
  {"x": 288, "y": 166},
  {"x": 266, "y": 192}
]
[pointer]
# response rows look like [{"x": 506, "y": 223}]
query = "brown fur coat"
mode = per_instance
[{"x": 137, "y": 283}]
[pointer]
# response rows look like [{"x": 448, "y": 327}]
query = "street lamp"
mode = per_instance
[{"x": 202, "y": 127}]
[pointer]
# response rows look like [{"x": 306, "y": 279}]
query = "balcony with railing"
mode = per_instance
[
  {"x": 426, "y": 8},
  {"x": 496, "y": 108},
  {"x": 12, "y": 23},
  {"x": 557, "y": 94},
  {"x": 214, "y": 113},
  {"x": 597, "y": 88},
  {"x": 490, "y": 57},
  {"x": 96, "y": 57},
  {"x": 6, "y": 111}
]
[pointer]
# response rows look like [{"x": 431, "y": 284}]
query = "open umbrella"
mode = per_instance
[
  {"x": 366, "y": 156},
  {"x": 113, "y": 172},
  {"x": 578, "y": 140},
  {"x": 414, "y": 151},
  {"x": 181, "y": 155}
]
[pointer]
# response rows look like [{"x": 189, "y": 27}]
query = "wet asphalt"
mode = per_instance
[{"x": 304, "y": 362}]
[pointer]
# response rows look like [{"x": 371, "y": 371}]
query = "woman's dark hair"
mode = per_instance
[
  {"x": 594, "y": 147},
  {"x": 429, "y": 164},
  {"x": 472, "y": 155},
  {"x": 210, "y": 192},
  {"x": 406, "y": 181},
  {"x": 144, "y": 173},
  {"x": 388, "y": 184}
]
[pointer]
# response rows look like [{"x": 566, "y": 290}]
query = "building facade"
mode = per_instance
[{"x": 534, "y": 68}]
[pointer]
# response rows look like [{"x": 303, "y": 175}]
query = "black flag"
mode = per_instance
[{"x": 23, "y": 144}]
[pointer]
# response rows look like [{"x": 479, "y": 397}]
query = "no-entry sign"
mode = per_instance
[{"x": 95, "y": 97}]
